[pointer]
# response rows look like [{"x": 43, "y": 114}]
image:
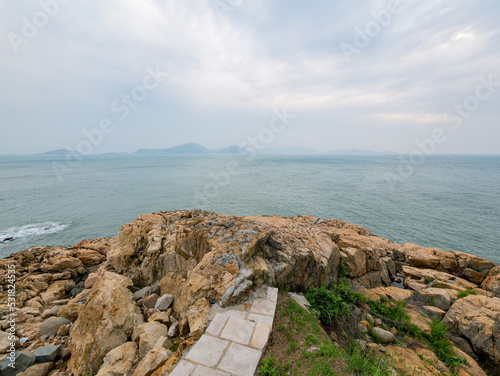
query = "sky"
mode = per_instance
[{"x": 120, "y": 75}]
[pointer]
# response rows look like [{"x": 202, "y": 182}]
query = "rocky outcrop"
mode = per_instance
[
  {"x": 118, "y": 303},
  {"x": 106, "y": 321}
]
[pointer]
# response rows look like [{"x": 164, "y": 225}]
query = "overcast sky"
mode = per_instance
[{"x": 357, "y": 74}]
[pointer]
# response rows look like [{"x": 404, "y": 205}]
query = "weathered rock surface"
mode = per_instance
[
  {"x": 105, "y": 322},
  {"x": 477, "y": 318},
  {"x": 119, "y": 360},
  {"x": 148, "y": 334},
  {"x": 153, "y": 360},
  {"x": 41, "y": 369},
  {"x": 492, "y": 281},
  {"x": 194, "y": 259},
  {"x": 439, "y": 298}
]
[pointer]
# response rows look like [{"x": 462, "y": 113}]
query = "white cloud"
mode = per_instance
[{"x": 258, "y": 55}]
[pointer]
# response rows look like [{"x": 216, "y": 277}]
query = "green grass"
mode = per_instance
[
  {"x": 174, "y": 346},
  {"x": 303, "y": 332},
  {"x": 442, "y": 347},
  {"x": 463, "y": 294},
  {"x": 362, "y": 363},
  {"x": 336, "y": 300},
  {"x": 269, "y": 367}
]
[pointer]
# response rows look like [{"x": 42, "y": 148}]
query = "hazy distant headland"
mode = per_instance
[{"x": 197, "y": 149}]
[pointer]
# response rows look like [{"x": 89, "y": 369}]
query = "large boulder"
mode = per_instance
[
  {"x": 105, "y": 322},
  {"x": 153, "y": 360},
  {"x": 477, "y": 318},
  {"x": 119, "y": 360},
  {"x": 148, "y": 334},
  {"x": 439, "y": 298},
  {"x": 492, "y": 281}
]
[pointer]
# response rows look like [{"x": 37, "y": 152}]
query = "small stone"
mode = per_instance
[
  {"x": 142, "y": 292},
  {"x": 379, "y": 322},
  {"x": 89, "y": 282},
  {"x": 173, "y": 331},
  {"x": 53, "y": 311},
  {"x": 394, "y": 331},
  {"x": 373, "y": 349},
  {"x": 361, "y": 344},
  {"x": 63, "y": 330},
  {"x": 363, "y": 329},
  {"x": 312, "y": 349},
  {"x": 164, "y": 302},
  {"x": 370, "y": 319},
  {"x": 50, "y": 326},
  {"x": 212, "y": 261},
  {"x": 383, "y": 336},
  {"x": 366, "y": 324},
  {"x": 183, "y": 327},
  {"x": 65, "y": 353},
  {"x": 162, "y": 317},
  {"x": 46, "y": 354},
  {"x": 150, "y": 301},
  {"x": 356, "y": 311},
  {"x": 334, "y": 337}
]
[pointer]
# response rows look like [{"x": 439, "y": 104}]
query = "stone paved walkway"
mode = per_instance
[{"x": 232, "y": 345}]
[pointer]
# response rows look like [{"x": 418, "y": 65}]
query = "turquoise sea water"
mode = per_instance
[{"x": 451, "y": 202}]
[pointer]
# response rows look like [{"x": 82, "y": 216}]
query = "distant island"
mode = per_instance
[
  {"x": 197, "y": 149},
  {"x": 193, "y": 149}
]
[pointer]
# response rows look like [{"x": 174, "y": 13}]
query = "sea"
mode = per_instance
[{"x": 446, "y": 201}]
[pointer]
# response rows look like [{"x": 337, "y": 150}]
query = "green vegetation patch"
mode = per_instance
[
  {"x": 335, "y": 303},
  {"x": 463, "y": 294},
  {"x": 300, "y": 347}
]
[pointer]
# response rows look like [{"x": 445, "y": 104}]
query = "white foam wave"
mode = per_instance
[{"x": 16, "y": 233}]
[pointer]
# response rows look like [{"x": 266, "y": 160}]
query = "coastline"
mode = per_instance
[{"x": 204, "y": 259}]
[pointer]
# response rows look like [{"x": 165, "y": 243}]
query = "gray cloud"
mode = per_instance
[{"x": 227, "y": 68}]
